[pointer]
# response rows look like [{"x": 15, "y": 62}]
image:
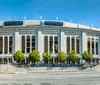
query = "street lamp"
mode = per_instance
[
  {"x": 91, "y": 62},
  {"x": 91, "y": 52}
]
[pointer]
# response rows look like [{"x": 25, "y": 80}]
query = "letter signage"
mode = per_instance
[
  {"x": 13, "y": 23},
  {"x": 53, "y": 23}
]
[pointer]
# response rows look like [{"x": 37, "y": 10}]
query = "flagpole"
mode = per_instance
[
  {"x": 40, "y": 17},
  {"x": 57, "y": 18},
  {"x": 9, "y": 17},
  {"x": 24, "y": 17}
]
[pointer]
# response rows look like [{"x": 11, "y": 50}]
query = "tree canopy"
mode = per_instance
[
  {"x": 18, "y": 56},
  {"x": 72, "y": 56},
  {"x": 87, "y": 56},
  {"x": 61, "y": 56},
  {"x": 34, "y": 56},
  {"x": 46, "y": 57}
]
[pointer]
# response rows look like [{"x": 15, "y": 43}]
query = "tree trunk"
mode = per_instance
[{"x": 34, "y": 62}]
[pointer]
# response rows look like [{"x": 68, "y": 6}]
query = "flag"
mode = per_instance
[
  {"x": 40, "y": 17},
  {"x": 57, "y": 18},
  {"x": 24, "y": 17}
]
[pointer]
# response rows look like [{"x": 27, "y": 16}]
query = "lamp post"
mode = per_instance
[
  {"x": 91, "y": 52},
  {"x": 91, "y": 63}
]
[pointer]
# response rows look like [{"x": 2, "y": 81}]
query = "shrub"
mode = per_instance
[
  {"x": 72, "y": 56},
  {"x": 46, "y": 57},
  {"x": 87, "y": 56},
  {"x": 34, "y": 56},
  {"x": 61, "y": 56},
  {"x": 18, "y": 56}
]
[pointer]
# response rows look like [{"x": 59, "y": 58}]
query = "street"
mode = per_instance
[{"x": 51, "y": 78}]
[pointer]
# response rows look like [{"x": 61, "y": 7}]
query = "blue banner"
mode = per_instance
[
  {"x": 13, "y": 23},
  {"x": 53, "y": 23}
]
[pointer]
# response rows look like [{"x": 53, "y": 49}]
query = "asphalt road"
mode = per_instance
[{"x": 51, "y": 78}]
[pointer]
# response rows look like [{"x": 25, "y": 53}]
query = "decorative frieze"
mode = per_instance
[
  {"x": 70, "y": 32},
  {"x": 27, "y": 31},
  {"x": 6, "y": 32},
  {"x": 92, "y": 33},
  {"x": 50, "y": 31}
]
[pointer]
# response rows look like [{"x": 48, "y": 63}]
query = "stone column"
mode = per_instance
[
  {"x": 48, "y": 45},
  {"x": 8, "y": 44},
  {"x": 83, "y": 42},
  {"x": 75, "y": 43},
  {"x": 62, "y": 46},
  {"x": 59, "y": 40},
  {"x": 40, "y": 42},
  {"x": 94, "y": 46},
  {"x": 99, "y": 45},
  {"x": 53, "y": 49},
  {"x": 30, "y": 43},
  {"x": 90, "y": 44},
  {"x": 36, "y": 40},
  {"x": 25, "y": 44},
  {"x": 53, "y": 44},
  {"x": 13, "y": 44},
  {"x": 17, "y": 41}
]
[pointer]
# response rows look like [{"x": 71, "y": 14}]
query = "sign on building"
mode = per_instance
[
  {"x": 13, "y": 23},
  {"x": 53, "y": 23}
]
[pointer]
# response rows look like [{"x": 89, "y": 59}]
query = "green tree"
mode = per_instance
[
  {"x": 61, "y": 57},
  {"x": 18, "y": 56},
  {"x": 87, "y": 56},
  {"x": 46, "y": 57},
  {"x": 72, "y": 56},
  {"x": 34, "y": 56}
]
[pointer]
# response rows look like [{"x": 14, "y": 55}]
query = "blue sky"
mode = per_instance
[{"x": 79, "y": 11}]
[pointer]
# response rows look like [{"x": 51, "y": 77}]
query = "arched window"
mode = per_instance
[
  {"x": 45, "y": 43},
  {"x": 51, "y": 44},
  {"x": 5, "y": 44},
  {"x": 93, "y": 45},
  {"x": 88, "y": 44},
  {"x": 68, "y": 43},
  {"x": 77, "y": 45},
  {"x": 56, "y": 44},
  {"x": 23, "y": 44},
  {"x": 10, "y": 44},
  {"x": 1, "y": 45},
  {"x": 96, "y": 46},
  {"x": 33, "y": 43},
  {"x": 28, "y": 44},
  {"x": 73, "y": 43}
]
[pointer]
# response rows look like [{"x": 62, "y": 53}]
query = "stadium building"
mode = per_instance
[{"x": 46, "y": 35}]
